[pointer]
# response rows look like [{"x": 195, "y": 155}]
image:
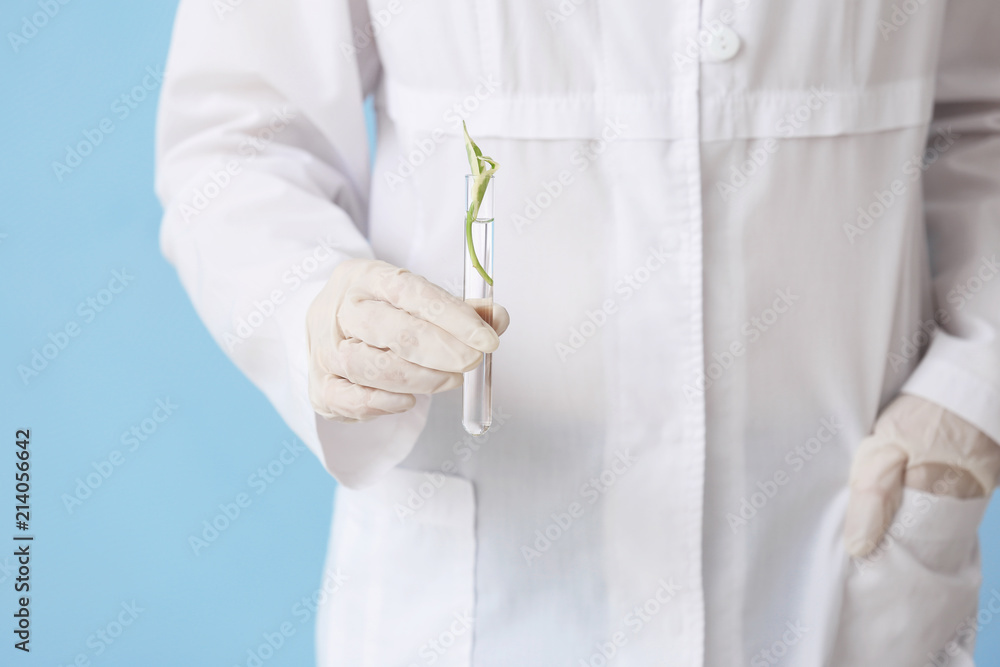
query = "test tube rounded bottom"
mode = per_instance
[
  {"x": 477, "y": 404},
  {"x": 477, "y": 397}
]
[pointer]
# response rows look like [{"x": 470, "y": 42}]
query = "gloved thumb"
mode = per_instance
[{"x": 877, "y": 475}]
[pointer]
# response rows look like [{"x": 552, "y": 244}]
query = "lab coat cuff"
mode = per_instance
[
  {"x": 360, "y": 453},
  {"x": 959, "y": 391},
  {"x": 356, "y": 454}
]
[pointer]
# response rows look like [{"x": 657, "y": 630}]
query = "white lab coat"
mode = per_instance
[{"x": 720, "y": 263}]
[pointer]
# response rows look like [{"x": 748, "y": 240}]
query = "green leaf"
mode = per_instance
[
  {"x": 483, "y": 168},
  {"x": 472, "y": 150}
]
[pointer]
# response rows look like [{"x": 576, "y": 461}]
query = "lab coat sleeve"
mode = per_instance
[
  {"x": 262, "y": 169},
  {"x": 961, "y": 369}
]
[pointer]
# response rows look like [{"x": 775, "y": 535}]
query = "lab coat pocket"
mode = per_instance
[
  {"x": 405, "y": 549},
  {"x": 917, "y": 590}
]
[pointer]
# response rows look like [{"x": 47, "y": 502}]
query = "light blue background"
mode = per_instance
[{"x": 129, "y": 540}]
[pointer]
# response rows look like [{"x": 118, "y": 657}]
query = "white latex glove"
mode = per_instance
[
  {"x": 379, "y": 334},
  {"x": 921, "y": 445}
]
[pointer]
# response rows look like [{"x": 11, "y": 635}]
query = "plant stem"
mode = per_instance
[{"x": 469, "y": 218}]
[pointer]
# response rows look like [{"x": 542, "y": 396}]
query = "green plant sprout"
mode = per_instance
[{"x": 482, "y": 168}]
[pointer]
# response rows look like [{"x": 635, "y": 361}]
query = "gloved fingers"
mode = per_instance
[
  {"x": 341, "y": 400},
  {"x": 372, "y": 367},
  {"x": 424, "y": 300},
  {"x": 876, "y": 493},
  {"x": 492, "y": 313},
  {"x": 382, "y": 325},
  {"x": 938, "y": 437},
  {"x": 944, "y": 480},
  {"x": 501, "y": 319}
]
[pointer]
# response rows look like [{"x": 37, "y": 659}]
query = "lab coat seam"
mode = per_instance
[
  {"x": 474, "y": 583},
  {"x": 695, "y": 416},
  {"x": 444, "y": 95},
  {"x": 679, "y": 93},
  {"x": 604, "y": 81},
  {"x": 578, "y": 115},
  {"x": 608, "y": 442},
  {"x": 883, "y": 89}
]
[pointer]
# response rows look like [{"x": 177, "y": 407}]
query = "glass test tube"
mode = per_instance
[{"x": 477, "y": 395}]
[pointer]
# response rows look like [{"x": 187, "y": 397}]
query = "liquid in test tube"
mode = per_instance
[{"x": 477, "y": 395}]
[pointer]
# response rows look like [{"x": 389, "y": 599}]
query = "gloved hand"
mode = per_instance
[
  {"x": 921, "y": 445},
  {"x": 379, "y": 334}
]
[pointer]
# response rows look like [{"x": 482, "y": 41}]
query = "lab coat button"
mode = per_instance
[{"x": 722, "y": 44}]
